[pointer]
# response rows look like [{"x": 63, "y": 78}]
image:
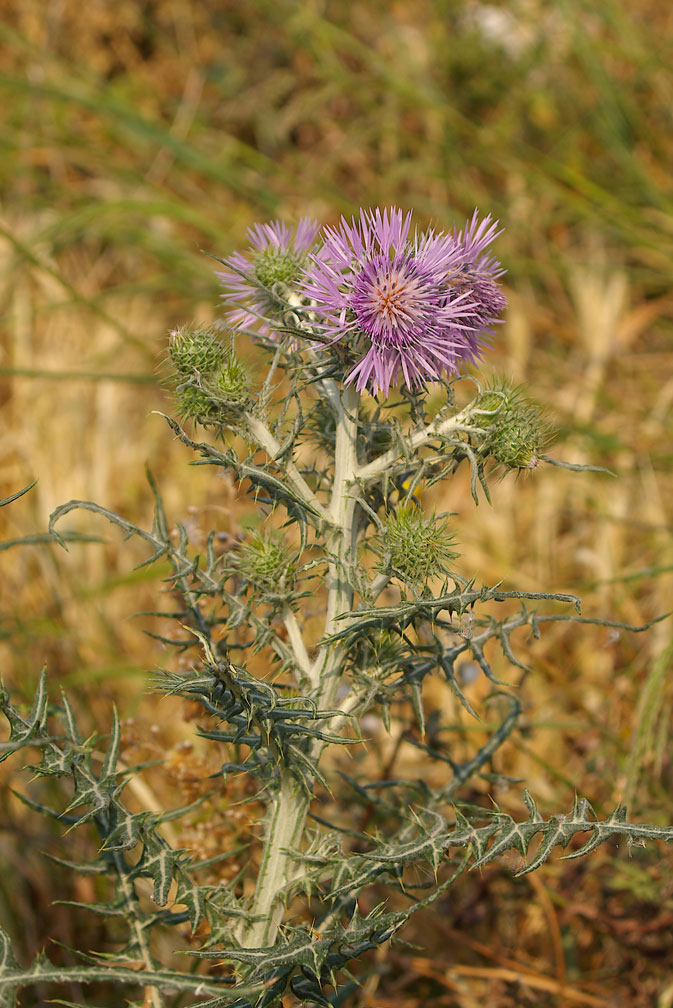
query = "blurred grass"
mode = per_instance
[{"x": 137, "y": 135}]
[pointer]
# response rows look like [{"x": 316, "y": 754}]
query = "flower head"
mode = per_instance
[
  {"x": 416, "y": 548},
  {"x": 412, "y": 304},
  {"x": 266, "y": 562},
  {"x": 517, "y": 429},
  {"x": 478, "y": 274},
  {"x": 277, "y": 256},
  {"x": 212, "y": 385}
]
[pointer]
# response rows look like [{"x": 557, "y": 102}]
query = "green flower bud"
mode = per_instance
[
  {"x": 230, "y": 385},
  {"x": 266, "y": 562},
  {"x": 212, "y": 385},
  {"x": 518, "y": 431},
  {"x": 382, "y": 654},
  {"x": 414, "y": 547},
  {"x": 196, "y": 351},
  {"x": 277, "y": 265}
]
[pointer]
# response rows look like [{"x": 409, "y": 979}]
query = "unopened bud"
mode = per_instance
[
  {"x": 199, "y": 351},
  {"x": 414, "y": 547},
  {"x": 518, "y": 431},
  {"x": 266, "y": 562},
  {"x": 212, "y": 384}
]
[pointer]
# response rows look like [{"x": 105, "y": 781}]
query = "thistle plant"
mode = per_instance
[{"x": 337, "y": 609}]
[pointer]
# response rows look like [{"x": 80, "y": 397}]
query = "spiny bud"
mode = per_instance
[
  {"x": 518, "y": 431},
  {"x": 199, "y": 351},
  {"x": 416, "y": 548},
  {"x": 230, "y": 385},
  {"x": 212, "y": 385},
  {"x": 381, "y": 654},
  {"x": 266, "y": 562}
]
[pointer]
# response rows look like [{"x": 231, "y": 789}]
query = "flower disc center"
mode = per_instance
[{"x": 393, "y": 300}]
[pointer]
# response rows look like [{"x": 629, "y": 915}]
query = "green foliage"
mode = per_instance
[{"x": 337, "y": 878}]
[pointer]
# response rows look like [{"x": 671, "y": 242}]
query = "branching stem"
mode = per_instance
[
  {"x": 286, "y": 812},
  {"x": 439, "y": 428},
  {"x": 296, "y": 640},
  {"x": 266, "y": 440}
]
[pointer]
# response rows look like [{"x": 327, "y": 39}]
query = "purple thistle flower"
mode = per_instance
[
  {"x": 478, "y": 274},
  {"x": 277, "y": 255},
  {"x": 416, "y": 305}
]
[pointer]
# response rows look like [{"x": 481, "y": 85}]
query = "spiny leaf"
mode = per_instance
[
  {"x": 109, "y": 766},
  {"x": 506, "y": 834},
  {"x": 192, "y": 896},
  {"x": 19, "y": 493},
  {"x": 128, "y": 829},
  {"x": 13, "y": 978},
  {"x": 301, "y": 950},
  {"x": 161, "y": 547},
  {"x": 23, "y": 730},
  {"x": 88, "y": 791},
  {"x": 157, "y": 862},
  {"x": 79, "y": 867}
]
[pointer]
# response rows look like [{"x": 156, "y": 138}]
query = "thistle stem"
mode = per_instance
[
  {"x": 286, "y": 811},
  {"x": 341, "y": 545},
  {"x": 438, "y": 428},
  {"x": 266, "y": 440},
  {"x": 296, "y": 641},
  {"x": 285, "y": 818}
]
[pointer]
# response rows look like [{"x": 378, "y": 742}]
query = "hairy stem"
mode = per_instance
[
  {"x": 286, "y": 812},
  {"x": 438, "y": 428},
  {"x": 285, "y": 818}
]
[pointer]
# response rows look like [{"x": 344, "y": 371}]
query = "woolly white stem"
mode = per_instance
[
  {"x": 296, "y": 640},
  {"x": 272, "y": 447},
  {"x": 340, "y": 548},
  {"x": 285, "y": 817},
  {"x": 286, "y": 812},
  {"x": 438, "y": 428}
]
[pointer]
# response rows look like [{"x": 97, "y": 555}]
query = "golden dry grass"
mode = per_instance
[{"x": 139, "y": 134}]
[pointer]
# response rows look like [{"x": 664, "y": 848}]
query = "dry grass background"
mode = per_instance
[{"x": 136, "y": 135}]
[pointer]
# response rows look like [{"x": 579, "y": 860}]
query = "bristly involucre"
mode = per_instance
[
  {"x": 266, "y": 562},
  {"x": 412, "y": 305},
  {"x": 212, "y": 385},
  {"x": 416, "y": 548},
  {"x": 277, "y": 256},
  {"x": 517, "y": 429}
]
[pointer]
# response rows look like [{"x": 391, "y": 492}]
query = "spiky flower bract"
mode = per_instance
[
  {"x": 196, "y": 351},
  {"x": 414, "y": 547},
  {"x": 518, "y": 431},
  {"x": 266, "y": 562},
  {"x": 276, "y": 258},
  {"x": 212, "y": 385},
  {"x": 412, "y": 305}
]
